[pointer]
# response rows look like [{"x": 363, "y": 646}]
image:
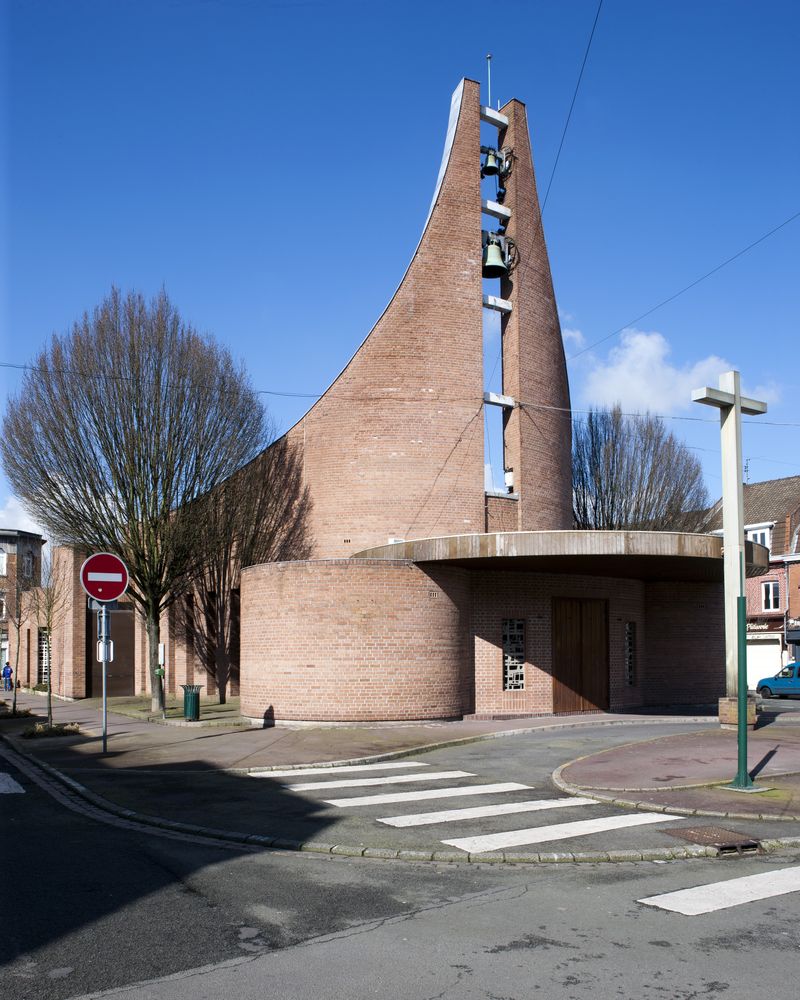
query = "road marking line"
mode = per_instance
[
  {"x": 389, "y": 779},
  {"x": 428, "y": 793},
  {"x": 558, "y": 831},
  {"x": 721, "y": 895},
  {"x": 8, "y": 786},
  {"x": 299, "y": 772},
  {"x": 477, "y": 812}
]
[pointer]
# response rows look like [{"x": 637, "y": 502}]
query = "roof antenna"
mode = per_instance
[{"x": 489, "y": 75}]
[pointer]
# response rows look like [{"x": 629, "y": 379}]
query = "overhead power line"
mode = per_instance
[{"x": 692, "y": 284}]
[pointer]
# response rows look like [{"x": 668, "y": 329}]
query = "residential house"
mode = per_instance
[{"x": 772, "y": 518}]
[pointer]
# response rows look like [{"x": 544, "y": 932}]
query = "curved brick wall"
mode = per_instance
[{"x": 340, "y": 640}]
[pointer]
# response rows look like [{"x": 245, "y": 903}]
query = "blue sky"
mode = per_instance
[{"x": 271, "y": 165}]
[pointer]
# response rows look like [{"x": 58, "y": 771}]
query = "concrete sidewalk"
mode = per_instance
[{"x": 191, "y": 779}]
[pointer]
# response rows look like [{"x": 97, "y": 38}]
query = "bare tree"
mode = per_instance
[
  {"x": 630, "y": 472},
  {"x": 132, "y": 417},
  {"x": 258, "y": 515},
  {"x": 48, "y": 606}
]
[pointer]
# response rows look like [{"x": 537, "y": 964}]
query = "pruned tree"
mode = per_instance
[
  {"x": 631, "y": 472},
  {"x": 48, "y": 607},
  {"x": 258, "y": 515},
  {"x": 134, "y": 416}
]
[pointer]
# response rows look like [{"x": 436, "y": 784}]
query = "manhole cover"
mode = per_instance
[{"x": 725, "y": 841}]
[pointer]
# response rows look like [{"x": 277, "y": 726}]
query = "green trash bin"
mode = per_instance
[{"x": 191, "y": 702}]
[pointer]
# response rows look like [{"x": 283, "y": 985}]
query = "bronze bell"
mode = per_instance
[
  {"x": 493, "y": 264},
  {"x": 490, "y": 165}
]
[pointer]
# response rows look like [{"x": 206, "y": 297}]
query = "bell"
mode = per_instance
[
  {"x": 490, "y": 165},
  {"x": 493, "y": 264}
]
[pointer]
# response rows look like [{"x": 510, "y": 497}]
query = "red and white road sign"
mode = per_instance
[{"x": 104, "y": 576}]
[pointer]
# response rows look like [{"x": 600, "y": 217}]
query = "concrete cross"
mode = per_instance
[{"x": 731, "y": 404}]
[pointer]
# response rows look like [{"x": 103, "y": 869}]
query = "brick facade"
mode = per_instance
[{"x": 340, "y": 640}]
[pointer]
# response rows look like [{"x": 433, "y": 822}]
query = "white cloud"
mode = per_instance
[
  {"x": 14, "y": 516},
  {"x": 574, "y": 339},
  {"x": 637, "y": 374}
]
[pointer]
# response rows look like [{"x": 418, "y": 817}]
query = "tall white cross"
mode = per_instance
[{"x": 731, "y": 404}]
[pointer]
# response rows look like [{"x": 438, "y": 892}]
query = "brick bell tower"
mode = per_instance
[
  {"x": 537, "y": 426},
  {"x": 393, "y": 449}
]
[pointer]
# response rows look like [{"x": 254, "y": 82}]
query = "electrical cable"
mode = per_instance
[{"x": 692, "y": 284}]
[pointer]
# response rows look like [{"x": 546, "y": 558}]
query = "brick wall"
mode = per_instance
[
  {"x": 754, "y": 589},
  {"x": 338, "y": 640},
  {"x": 502, "y": 514},
  {"x": 341, "y": 640},
  {"x": 529, "y": 596},
  {"x": 538, "y": 441},
  {"x": 686, "y": 643}
]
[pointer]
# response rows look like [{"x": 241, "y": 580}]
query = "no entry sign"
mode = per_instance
[{"x": 104, "y": 576}]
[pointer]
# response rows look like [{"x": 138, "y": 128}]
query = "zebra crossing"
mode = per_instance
[
  {"x": 367, "y": 777},
  {"x": 692, "y": 901}
]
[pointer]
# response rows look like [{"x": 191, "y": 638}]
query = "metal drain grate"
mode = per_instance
[{"x": 725, "y": 841}]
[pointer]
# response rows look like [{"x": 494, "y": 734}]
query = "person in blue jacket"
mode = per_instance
[{"x": 7, "y": 674}]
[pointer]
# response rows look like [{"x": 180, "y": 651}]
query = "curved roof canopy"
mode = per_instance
[{"x": 641, "y": 555}]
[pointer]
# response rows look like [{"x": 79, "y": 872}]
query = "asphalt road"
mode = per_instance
[
  {"x": 287, "y": 807},
  {"x": 90, "y": 907}
]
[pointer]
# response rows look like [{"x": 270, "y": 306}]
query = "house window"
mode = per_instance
[
  {"x": 761, "y": 535},
  {"x": 770, "y": 596},
  {"x": 513, "y": 654},
  {"x": 630, "y": 653},
  {"x": 2, "y": 564},
  {"x": 27, "y": 565},
  {"x": 2, "y": 606}
]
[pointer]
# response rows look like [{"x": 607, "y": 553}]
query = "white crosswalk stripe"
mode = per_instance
[
  {"x": 8, "y": 786},
  {"x": 389, "y": 779},
  {"x": 479, "y": 812},
  {"x": 559, "y": 831},
  {"x": 733, "y": 892},
  {"x": 300, "y": 772},
  {"x": 428, "y": 793},
  {"x": 366, "y": 776}
]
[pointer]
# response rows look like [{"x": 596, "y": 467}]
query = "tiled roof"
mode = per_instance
[{"x": 772, "y": 500}]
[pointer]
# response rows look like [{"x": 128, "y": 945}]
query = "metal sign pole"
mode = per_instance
[{"x": 102, "y": 620}]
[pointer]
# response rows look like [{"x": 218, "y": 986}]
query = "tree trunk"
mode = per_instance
[
  {"x": 15, "y": 677},
  {"x": 221, "y": 669},
  {"x": 153, "y": 627},
  {"x": 49, "y": 682}
]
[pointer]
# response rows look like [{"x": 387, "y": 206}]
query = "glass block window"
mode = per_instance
[
  {"x": 513, "y": 654},
  {"x": 43, "y": 660},
  {"x": 630, "y": 653}
]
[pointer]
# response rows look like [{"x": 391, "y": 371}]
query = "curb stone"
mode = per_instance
[
  {"x": 278, "y": 843},
  {"x": 642, "y": 806}
]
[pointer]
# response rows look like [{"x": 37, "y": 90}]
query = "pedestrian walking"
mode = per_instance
[{"x": 7, "y": 674}]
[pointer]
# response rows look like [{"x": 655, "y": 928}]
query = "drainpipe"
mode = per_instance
[{"x": 786, "y": 609}]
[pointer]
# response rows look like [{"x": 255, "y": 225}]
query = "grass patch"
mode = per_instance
[
  {"x": 40, "y": 729},
  {"x": 139, "y": 707}
]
